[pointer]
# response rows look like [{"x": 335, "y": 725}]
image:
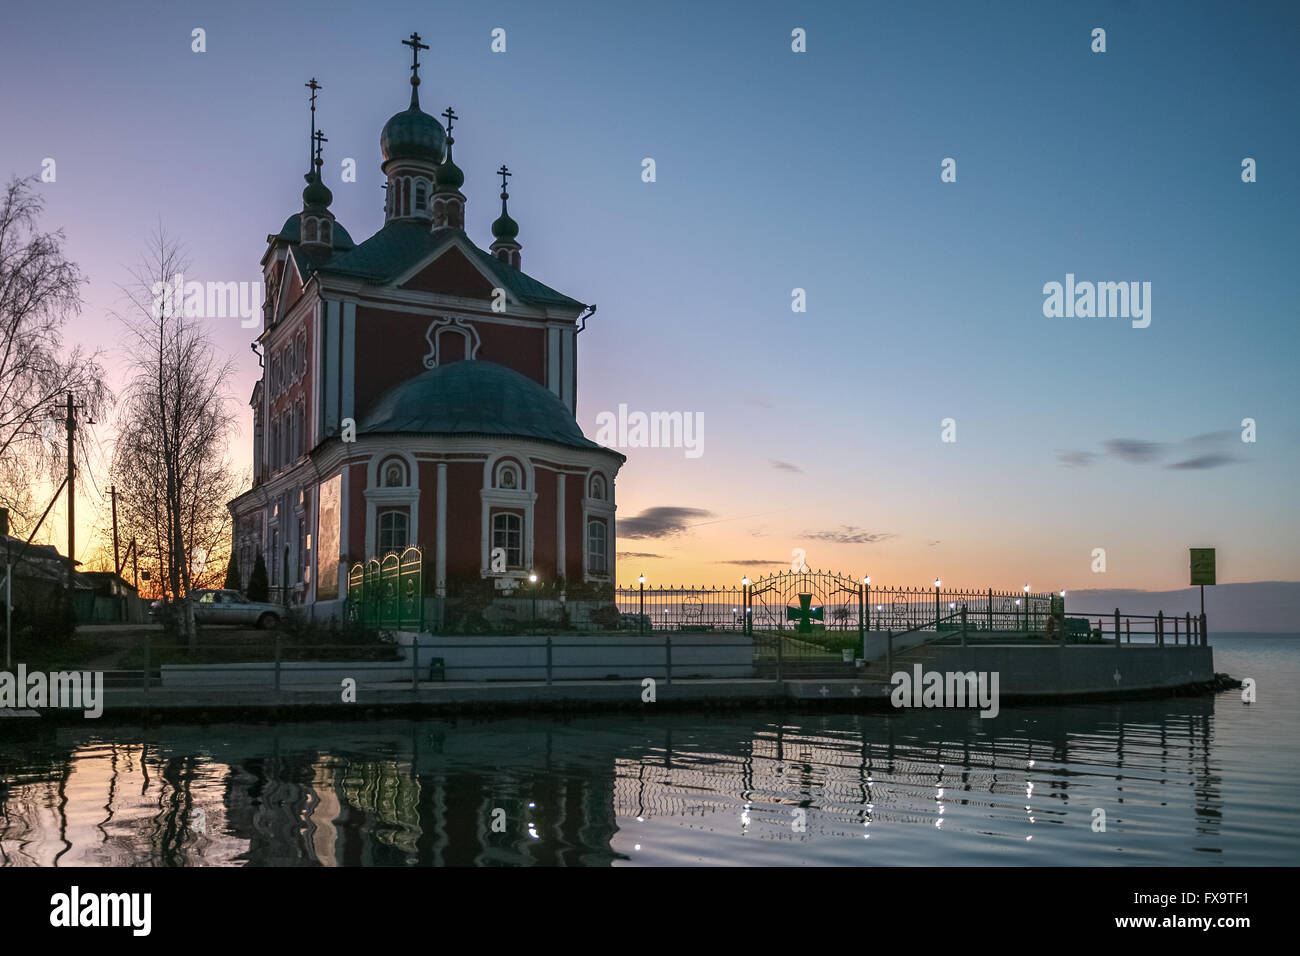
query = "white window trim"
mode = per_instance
[{"x": 377, "y": 497}]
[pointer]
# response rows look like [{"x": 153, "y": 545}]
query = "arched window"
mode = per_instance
[
  {"x": 309, "y": 230},
  {"x": 508, "y": 477},
  {"x": 597, "y": 550},
  {"x": 392, "y": 531},
  {"x": 421, "y": 194},
  {"x": 392, "y": 473},
  {"x": 507, "y": 533},
  {"x": 598, "y": 487},
  {"x": 325, "y": 231}
]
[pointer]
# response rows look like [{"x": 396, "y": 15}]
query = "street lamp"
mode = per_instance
[
  {"x": 866, "y": 604},
  {"x": 748, "y": 621},
  {"x": 1026, "y": 608},
  {"x": 937, "y": 582},
  {"x": 640, "y": 620},
  {"x": 532, "y": 579}
]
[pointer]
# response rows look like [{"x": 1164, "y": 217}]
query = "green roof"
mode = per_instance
[
  {"x": 291, "y": 231},
  {"x": 474, "y": 397},
  {"x": 402, "y": 244}
]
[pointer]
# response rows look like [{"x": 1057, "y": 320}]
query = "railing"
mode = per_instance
[
  {"x": 685, "y": 608},
  {"x": 418, "y": 662},
  {"x": 1119, "y": 628}
]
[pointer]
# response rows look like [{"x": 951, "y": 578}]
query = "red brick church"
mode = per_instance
[{"x": 418, "y": 390}]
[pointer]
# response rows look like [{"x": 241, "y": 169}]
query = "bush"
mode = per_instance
[
  {"x": 259, "y": 588},
  {"x": 607, "y": 617},
  {"x": 233, "y": 581}
]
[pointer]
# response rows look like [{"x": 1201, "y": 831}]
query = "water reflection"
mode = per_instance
[{"x": 920, "y": 787}]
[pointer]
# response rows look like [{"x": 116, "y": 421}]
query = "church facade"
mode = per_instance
[{"x": 418, "y": 390}]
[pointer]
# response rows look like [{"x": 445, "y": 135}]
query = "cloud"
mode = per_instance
[
  {"x": 1076, "y": 459},
  {"x": 1135, "y": 451},
  {"x": 1201, "y": 462},
  {"x": 849, "y": 534},
  {"x": 637, "y": 554},
  {"x": 663, "y": 522},
  {"x": 786, "y": 466},
  {"x": 750, "y": 563},
  {"x": 1214, "y": 437}
]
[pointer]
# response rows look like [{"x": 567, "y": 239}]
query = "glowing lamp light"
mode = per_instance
[
  {"x": 532, "y": 579},
  {"x": 867, "y": 579},
  {"x": 937, "y": 582},
  {"x": 1026, "y": 588},
  {"x": 745, "y": 581},
  {"x": 641, "y": 579}
]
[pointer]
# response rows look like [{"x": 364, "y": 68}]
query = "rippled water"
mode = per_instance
[{"x": 1199, "y": 781}]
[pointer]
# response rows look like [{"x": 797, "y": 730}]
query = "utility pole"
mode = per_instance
[
  {"x": 135, "y": 568},
  {"x": 117, "y": 566},
  {"x": 72, "y": 497}
]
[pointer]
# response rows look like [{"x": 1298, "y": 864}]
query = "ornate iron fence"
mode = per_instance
[
  {"x": 388, "y": 592},
  {"x": 836, "y": 602}
]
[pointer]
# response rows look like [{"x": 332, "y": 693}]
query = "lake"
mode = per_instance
[{"x": 1181, "y": 781}]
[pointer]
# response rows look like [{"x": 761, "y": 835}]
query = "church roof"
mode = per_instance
[
  {"x": 403, "y": 244},
  {"x": 291, "y": 231},
  {"x": 474, "y": 397}
]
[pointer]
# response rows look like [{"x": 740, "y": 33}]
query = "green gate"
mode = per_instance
[{"x": 388, "y": 593}]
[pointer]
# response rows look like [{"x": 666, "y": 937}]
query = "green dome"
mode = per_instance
[
  {"x": 449, "y": 176},
  {"x": 505, "y": 227},
  {"x": 316, "y": 193},
  {"x": 473, "y": 397},
  {"x": 413, "y": 134}
]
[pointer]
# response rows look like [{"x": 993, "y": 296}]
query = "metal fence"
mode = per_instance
[
  {"x": 772, "y": 604},
  {"x": 1120, "y": 628}
]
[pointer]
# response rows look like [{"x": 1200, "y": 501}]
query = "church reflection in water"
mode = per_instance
[{"x": 520, "y": 792}]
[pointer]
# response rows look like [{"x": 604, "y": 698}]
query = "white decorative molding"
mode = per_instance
[{"x": 450, "y": 324}]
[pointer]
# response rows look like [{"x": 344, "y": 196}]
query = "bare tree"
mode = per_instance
[
  {"x": 170, "y": 460},
  {"x": 39, "y": 293}
]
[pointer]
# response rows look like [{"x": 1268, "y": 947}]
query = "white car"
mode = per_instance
[{"x": 231, "y": 607}]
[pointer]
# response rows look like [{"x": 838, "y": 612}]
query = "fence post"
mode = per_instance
[
  {"x": 1117, "y": 628},
  {"x": 1160, "y": 628},
  {"x": 780, "y": 652},
  {"x": 548, "y": 660},
  {"x": 415, "y": 662},
  {"x": 1128, "y": 631},
  {"x": 990, "y": 611},
  {"x": 1205, "y": 637},
  {"x": 1190, "y": 642},
  {"x": 668, "y": 651},
  {"x": 1175, "y": 630},
  {"x": 889, "y": 651},
  {"x": 963, "y": 625},
  {"x": 277, "y": 662}
]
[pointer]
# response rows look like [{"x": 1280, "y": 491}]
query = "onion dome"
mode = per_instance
[
  {"x": 413, "y": 134},
  {"x": 504, "y": 227},
  {"x": 449, "y": 177},
  {"x": 317, "y": 193}
]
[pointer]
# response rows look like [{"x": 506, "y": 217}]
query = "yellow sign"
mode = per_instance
[{"x": 1202, "y": 566}]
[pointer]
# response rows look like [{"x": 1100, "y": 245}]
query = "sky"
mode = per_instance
[{"x": 823, "y": 430}]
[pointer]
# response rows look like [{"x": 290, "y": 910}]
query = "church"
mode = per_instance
[{"x": 417, "y": 390}]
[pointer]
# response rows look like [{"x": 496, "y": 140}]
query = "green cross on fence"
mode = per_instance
[{"x": 804, "y": 614}]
